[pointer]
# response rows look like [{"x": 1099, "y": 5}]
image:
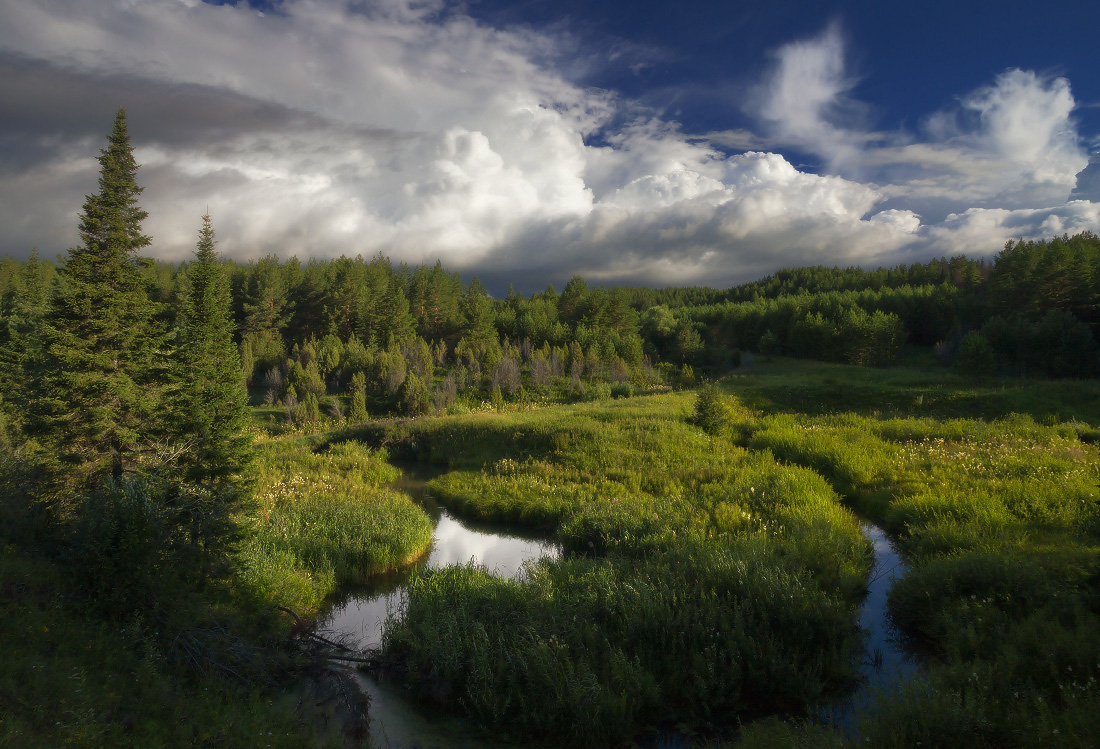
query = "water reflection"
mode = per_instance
[
  {"x": 502, "y": 550},
  {"x": 885, "y": 660},
  {"x": 362, "y": 612}
]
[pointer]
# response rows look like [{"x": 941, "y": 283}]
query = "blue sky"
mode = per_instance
[{"x": 643, "y": 143}]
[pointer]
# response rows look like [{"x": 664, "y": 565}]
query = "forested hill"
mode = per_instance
[{"x": 354, "y": 324}]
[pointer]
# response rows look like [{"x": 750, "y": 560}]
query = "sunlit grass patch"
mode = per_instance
[
  {"x": 998, "y": 517},
  {"x": 706, "y": 580},
  {"x": 586, "y": 650},
  {"x": 325, "y": 519}
]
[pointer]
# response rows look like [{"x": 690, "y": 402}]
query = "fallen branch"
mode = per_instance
[{"x": 353, "y": 659}]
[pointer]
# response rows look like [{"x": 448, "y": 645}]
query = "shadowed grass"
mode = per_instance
[{"x": 70, "y": 679}]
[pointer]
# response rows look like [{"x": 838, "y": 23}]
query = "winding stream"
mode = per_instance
[{"x": 397, "y": 721}]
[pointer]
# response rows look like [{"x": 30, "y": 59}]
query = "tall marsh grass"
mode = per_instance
[{"x": 586, "y": 650}]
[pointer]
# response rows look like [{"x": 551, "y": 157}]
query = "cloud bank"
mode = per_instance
[{"x": 336, "y": 127}]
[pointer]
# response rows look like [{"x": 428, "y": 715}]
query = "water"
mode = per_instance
[
  {"x": 397, "y": 721},
  {"x": 885, "y": 662}
]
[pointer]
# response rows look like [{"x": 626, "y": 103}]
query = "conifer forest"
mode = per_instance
[{"x": 728, "y": 493}]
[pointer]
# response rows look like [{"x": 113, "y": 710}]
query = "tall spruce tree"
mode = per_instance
[
  {"x": 95, "y": 401},
  {"x": 212, "y": 400}
]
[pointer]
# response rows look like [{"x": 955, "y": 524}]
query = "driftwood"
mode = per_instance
[{"x": 369, "y": 659}]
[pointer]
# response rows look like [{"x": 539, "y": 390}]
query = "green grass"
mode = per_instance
[
  {"x": 205, "y": 667},
  {"x": 998, "y": 516},
  {"x": 992, "y": 490},
  {"x": 70, "y": 679},
  {"x": 921, "y": 388},
  {"x": 711, "y": 582}
]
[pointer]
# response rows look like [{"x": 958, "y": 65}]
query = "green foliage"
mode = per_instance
[
  {"x": 76, "y": 680},
  {"x": 211, "y": 409},
  {"x": 358, "y": 412},
  {"x": 414, "y": 395},
  {"x": 22, "y": 307},
  {"x": 126, "y": 547},
  {"x": 325, "y": 519},
  {"x": 976, "y": 358},
  {"x": 997, "y": 519},
  {"x": 307, "y": 412},
  {"x": 706, "y": 582},
  {"x": 685, "y": 545},
  {"x": 685, "y": 378},
  {"x": 1055, "y": 345},
  {"x": 584, "y": 650},
  {"x": 769, "y": 343},
  {"x": 95, "y": 400}
]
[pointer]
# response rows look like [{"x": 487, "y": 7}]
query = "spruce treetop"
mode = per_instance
[{"x": 111, "y": 221}]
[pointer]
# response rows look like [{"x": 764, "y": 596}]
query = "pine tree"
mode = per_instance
[
  {"x": 211, "y": 398},
  {"x": 96, "y": 400}
]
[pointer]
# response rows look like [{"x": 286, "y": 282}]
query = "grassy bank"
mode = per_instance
[
  {"x": 712, "y": 580},
  {"x": 72, "y": 679},
  {"x": 991, "y": 489},
  {"x": 324, "y": 519}
]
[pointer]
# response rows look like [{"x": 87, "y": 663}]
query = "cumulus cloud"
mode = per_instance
[
  {"x": 335, "y": 127},
  {"x": 1011, "y": 144},
  {"x": 974, "y": 230}
]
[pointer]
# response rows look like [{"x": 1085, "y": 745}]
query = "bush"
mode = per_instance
[
  {"x": 769, "y": 343},
  {"x": 711, "y": 414},
  {"x": 122, "y": 543},
  {"x": 622, "y": 390},
  {"x": 976, "y": 357},
  {"x": 415, "y": 398}
]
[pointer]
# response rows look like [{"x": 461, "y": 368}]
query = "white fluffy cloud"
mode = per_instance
[
  {"x": 806, "y": 100},
  {"x": 1011, "y": 144},
  {"x": 341, "y": 127}
]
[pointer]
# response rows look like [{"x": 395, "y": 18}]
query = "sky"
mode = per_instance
[{"x": 644, "y": 143}]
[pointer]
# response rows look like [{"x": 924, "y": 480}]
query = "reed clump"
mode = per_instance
[{"x": 324, "y": 518}]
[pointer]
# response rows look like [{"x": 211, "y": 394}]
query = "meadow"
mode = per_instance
[
  {"x": 323, "y": 518},
  {"x": 710, "y": 588},
  {"x": 704, "y": 581},
  {"x": 216, "y": 671},
  {"x": 1000, "y": 521}
]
